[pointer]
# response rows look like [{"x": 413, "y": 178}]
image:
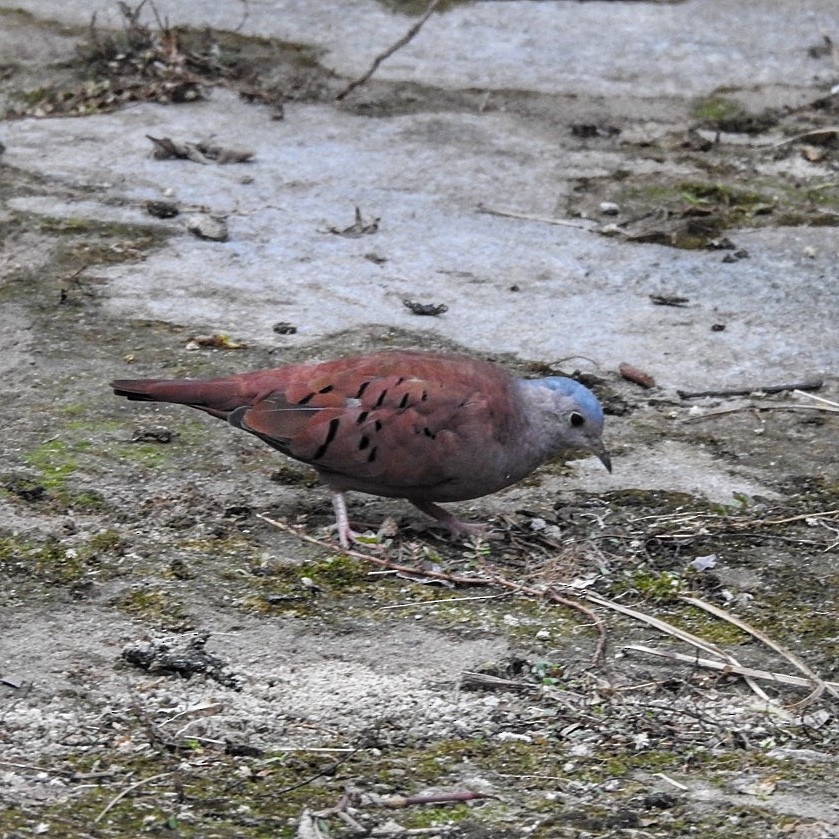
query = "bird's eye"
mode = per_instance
[{"x": 577, "y": 419}]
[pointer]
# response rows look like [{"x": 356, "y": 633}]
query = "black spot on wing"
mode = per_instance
[
  {"x": 330, "y": 436},
  {"x": 361, "y": 417},
  {"x": 372, "y": 456},
  {"x": 381, "y": 399},
  {"x": 327, "y": 389},
  {"x": 363, "y": 443},
  {"x": 362, "y": 388},
  {"x": 307, "y": 398}
]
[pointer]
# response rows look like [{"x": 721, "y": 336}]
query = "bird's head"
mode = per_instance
[{"x": 580, "y": 415}]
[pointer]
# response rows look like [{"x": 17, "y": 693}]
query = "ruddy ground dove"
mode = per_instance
[{"x": 421, "y": 426}]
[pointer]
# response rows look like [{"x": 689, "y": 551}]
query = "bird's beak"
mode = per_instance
[{"x": 604, "y": 457}]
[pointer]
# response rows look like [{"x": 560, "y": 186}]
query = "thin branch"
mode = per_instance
[
  {"x": 377, "y": 560},
  {"x": 829, "y": 402},
  {"x": 390, "y": 50},
  {"x": 543, "y": 219},
  {"x": 445, "y": 600},
  {"x": 755, "y": 407},
  {"x": 552, "y": 594},
  {"x": 669, "y": 780},
  {"x": 809, "y": 384},
  {"x": 326, "y": 771}
]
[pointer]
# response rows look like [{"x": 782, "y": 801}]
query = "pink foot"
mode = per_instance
[
  {"x": 346, "y": 535},
  {"x": 455, "y": 526}
]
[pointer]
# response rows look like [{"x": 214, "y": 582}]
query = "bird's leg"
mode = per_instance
[
  {"x": 346, "y": 535},
  {"x": 455, "y": 526}
]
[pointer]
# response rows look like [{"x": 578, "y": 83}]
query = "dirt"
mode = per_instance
[{"x": 173, "y": 663}]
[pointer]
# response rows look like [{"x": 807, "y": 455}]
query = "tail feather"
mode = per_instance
[
  {"x": 134, "y": 389},
  {"x": 217, "y": 397}
]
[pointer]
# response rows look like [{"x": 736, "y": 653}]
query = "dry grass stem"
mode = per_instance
[
  {"x": 834, "y": 129},
  {"x": 816, "y": 681},
  {"x": 829, "y": 408},
  {"x": 833, "y": 405},
  {"x": 117, "y": 798},
  {"x": 739, "y": 670},
  {"x": 675, "y": 632}
]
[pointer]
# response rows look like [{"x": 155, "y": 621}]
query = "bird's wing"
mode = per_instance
[{"x": 422, "y": 426}]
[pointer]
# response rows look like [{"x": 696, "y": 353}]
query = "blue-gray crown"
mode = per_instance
[{"x": 584, "y": 397}]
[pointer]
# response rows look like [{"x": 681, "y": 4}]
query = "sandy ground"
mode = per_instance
[{"x": 173, "y": 663}]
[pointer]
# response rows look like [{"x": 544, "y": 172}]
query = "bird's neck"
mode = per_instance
[{"x": 541, "y": 439}]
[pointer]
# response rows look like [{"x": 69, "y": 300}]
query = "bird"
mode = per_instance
[{"x": 423, "y": 426}]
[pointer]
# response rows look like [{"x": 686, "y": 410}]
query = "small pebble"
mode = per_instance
[{"x": 207, "y": 227}]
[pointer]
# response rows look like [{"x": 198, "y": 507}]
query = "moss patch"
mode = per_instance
[
  {"x": 155, "y": 606},
  {"x": 60, "y": 563}
]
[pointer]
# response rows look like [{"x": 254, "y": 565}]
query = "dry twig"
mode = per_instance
[
  {"x": 752, "y": 406},
  {"x": 675, "y": 632},
  {"x": 809, "y": 384},
  {"x": 816, "y": 132},
  {"x": 543, "y": 219},
  {"x": 390, "y": 50}
]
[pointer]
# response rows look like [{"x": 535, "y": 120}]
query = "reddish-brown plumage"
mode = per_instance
[{"x": 404, "y": 424}]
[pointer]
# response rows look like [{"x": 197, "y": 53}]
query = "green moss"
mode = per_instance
[
  {"x": 426, "y": 816},
  {"x": 54, "y": 461},
  {"x": 57, "y": 563},
  {"x": 309, "y": 588},
  {"x": 108, "y": 541},
  {"x": 57, "y": 462},
  {"x": 155, "y": 606},
  {"x": 809, "y": 618},
  {"x": 708, "y": 627},
  {"x": 417, "y": 7},
  {"x": 692, "y": 213},
  {"x": 89, "y": 501},
  {"x": 78, "y": 409},
  {"x": 67, "y": 225},
  {"x": 650, "y": 584},
  {"x": 33, "y": 98},
  {"x": 147, "y": 455},
  {"x": 722, "y": 195},
  {"x": 50, "y": 561},
  {"x": 337, "y": 572},
  {"x": 716, "y": 110}
]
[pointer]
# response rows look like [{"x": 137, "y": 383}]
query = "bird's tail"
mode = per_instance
[{"x": 217, "y": 397}]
